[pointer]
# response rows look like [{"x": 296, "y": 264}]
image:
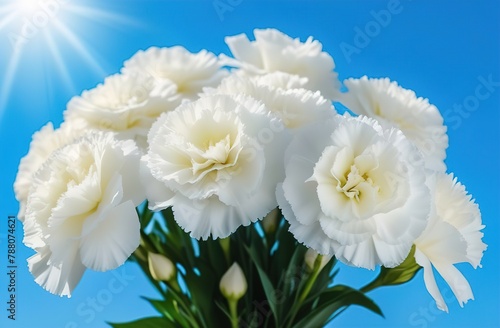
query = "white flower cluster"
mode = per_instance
[{"x": 224, "y": 148}]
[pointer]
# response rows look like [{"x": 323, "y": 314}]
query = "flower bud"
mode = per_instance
[
  {"x": 311, "y": 256},
  {"x": 270, "y": 221},
  {"x": 160, "y": 267},
  {"x": 233, "y": 284}
]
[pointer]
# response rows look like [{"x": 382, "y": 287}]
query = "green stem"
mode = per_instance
[
  {"x": 233, "y": 310},
  {"x": 172, "y": 283},
  {"x": 312, "y": 279},
  {"x": 147, "y": 243},
  {"x": 189, "y": 314},
  {"x": 371, "y": 286},
  {"x": 307, "y": 288},
  {"x": 225, "y": 244}
]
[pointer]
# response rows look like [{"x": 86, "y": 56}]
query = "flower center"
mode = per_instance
[
  {"x": 349, "y": 187},
  {"x": 352, "y": 185},
  {"x": 216, "y": 156}
]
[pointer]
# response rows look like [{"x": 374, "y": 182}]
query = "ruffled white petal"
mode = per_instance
[
  {"x": 43, "y": 144},
  {"x": 452, "y": 236},
  {"x": 111, "y": 241},
  {"x": 360, "y": 186},
  {"x": 190, "y": 72},
  {"x": 430, "y": 281},
  {"x": 310, "y": 235},
  {"x": 209, "y": 217},
  {"x": 456, "y": 207},
  {"x": 127, "y": 104},
  {"x": 274, "y": 51},
  {"x": 392, "y": 105},
  {"x": 58, "y": 278},
  {"x": 79, "y": 213},
  {"x": 158, "y": 195},
  {"x": 459, "y": 285},
  {"x": 281, "y": 80},
  {"x": 295, "y": 107},
  {"x": 218, "y": 155}
]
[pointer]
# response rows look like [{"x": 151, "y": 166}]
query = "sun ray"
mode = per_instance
[
  {"x": 8, "y": 19},
  {"x": 59, "y": 62},
  {"x": 102, "y": 16},
  {"x": 7, "y": 8},
  {"x": 61, "y": 33},
  {"x": 8, "y": 79},
  {"x": 80, "y": 48}
]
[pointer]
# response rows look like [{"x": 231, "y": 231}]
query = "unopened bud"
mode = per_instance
[
  {"x": 270, "y": 221},
  {"x": 311, "y": 256},
  {"x": 233, "y": 284},
  {"x": 160, "y": 267}
]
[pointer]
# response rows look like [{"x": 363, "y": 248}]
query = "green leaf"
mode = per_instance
[
  {"x": 170, "y": 310},
  {"x": 287, "y": 246},
  {"x": 216, "y": 256},
  {"x": 324, "y": 279},
  {"x": 348, "y": 296},
  {"x": 151, "y": 322},
  {"x": 294, "y": 270},
  {"x": 269, "y": 289},
  {"x": 159, "y": 305},
  {"x": 333, "y": 300},
  {"x": 146, "y": 216},
  {"x": 202, "y": 290},
  {"x": 223, "y": 309}
]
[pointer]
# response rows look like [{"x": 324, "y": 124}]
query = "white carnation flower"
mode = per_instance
[
  {"x": 392, "y": 105},
  {"x": 354, "y": 190},
  {"x": 81, "y": 211},
  {"x": 274, "y": 51},
  {"x": 295, "y": 107},
  {"x": 43, "y": 144},
  {"x": 280, "y": 80},
  {"x": 217, "y": 162},
  {"x": 127, "y": 104},
  {"x": 452, "y": 236},
  {"x": 190, "y": 72}
]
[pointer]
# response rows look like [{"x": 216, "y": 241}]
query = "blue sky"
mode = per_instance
[{"x": 444, "y": 53}]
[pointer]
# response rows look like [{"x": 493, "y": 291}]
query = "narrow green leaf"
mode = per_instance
[
  {"x": 293, "y": 273},
  {"x": 202, "y": 290},
  {"x": 216, "y": 256},
  {"x": 146, "y": 216},
  {"x": 331, "y": 301},
  {"x": 269, "y": 289},
  {"x": 322, "y": 282},
  {"x": 151, "y": 322},
  {"x": 169, "y": 309},
  {"x": 287, "y": 245},
  {"x": 355, "y": 297}
]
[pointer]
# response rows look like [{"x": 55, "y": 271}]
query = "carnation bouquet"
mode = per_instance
[{"x": 238, "y": 183}]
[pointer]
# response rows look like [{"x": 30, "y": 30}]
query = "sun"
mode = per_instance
[
  {"x": 47, "y": 27},
  {"x": 27, "y": 6}
]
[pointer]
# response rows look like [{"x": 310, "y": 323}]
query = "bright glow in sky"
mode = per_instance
[
  {"x": 27, "y": 7},
  {"x": 58, "y": 23}
]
